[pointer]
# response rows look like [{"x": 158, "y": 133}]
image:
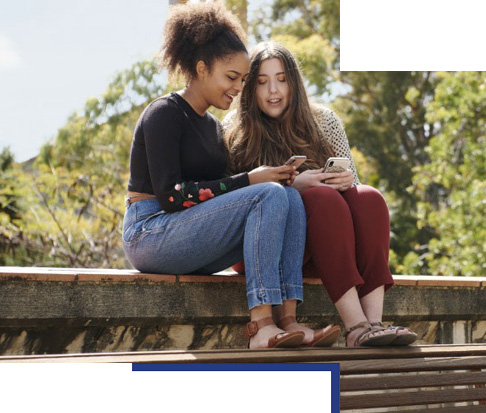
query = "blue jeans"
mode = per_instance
[{"x": 264, "y": 224}]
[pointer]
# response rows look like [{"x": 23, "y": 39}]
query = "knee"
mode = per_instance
[
  {"x": 323, "y": 198},
  {"x": 370, "y": 197},
  {"x": 367, "y": 203},
  {"x": 294, "y": 197},
  {"x": 296, "y": 205},
  {"x": 274, "y": 193}
]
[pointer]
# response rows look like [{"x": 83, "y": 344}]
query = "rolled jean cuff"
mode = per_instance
[
  {"x": 264, "y": 296},
  {"x": 275, "y": 296},
  {"x": 293, "y": 292}
]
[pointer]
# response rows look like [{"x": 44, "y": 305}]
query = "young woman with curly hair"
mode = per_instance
[
  {"x": 347, "y": 223},
  {"x": 184, "y": 214}
]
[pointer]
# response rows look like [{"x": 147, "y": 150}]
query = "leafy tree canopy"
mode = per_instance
[{"x": 453, "y": 185}]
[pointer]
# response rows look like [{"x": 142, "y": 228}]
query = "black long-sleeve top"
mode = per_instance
[{"x": 179, "y": 156}]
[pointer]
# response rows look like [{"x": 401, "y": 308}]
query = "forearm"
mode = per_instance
[{"x": 186, "y": 194}]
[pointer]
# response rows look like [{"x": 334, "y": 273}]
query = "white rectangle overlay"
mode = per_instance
[
  {"x": 413, "y": 35},
  {"x": 61, "y": 387}
]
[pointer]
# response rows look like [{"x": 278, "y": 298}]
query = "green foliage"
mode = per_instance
[
  {"x": 385, "y": 118},
  {"x": 453, "y": 185},
  {"x": 303, "y": 19},
  {"x": 308, "y": 28},
  {"x": 10, "y": 195},
  {"x": 72, "y": 198}
]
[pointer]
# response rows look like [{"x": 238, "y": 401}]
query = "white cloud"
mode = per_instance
[{"x": 9, "y": 57}]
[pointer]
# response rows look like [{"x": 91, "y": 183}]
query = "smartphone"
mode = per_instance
[
  {"x": 296, "y": 160},
  {"x": 337, "y": 164}
]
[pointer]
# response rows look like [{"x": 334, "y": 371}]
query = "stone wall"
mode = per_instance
[{"x": 47, "y": 310}]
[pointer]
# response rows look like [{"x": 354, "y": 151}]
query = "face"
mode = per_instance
[
  {"x": 272, "y": 90},
  {"x": 225, "y": 80}
]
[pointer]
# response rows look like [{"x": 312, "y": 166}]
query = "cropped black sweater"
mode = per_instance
[{"x": 179, "y": 156}]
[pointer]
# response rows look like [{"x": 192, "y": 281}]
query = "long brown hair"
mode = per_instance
[{"x": 255, "y": 139}]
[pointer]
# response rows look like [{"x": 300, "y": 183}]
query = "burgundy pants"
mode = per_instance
[{"x": 348, "y": 236}]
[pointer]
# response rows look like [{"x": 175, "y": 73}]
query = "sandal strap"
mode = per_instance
[
  {"x": 378, "y": 325},
  {"x": 252, "y": 327},
  {"x": 400, "y": 328},
  {"x": 363, "y": 324},
  {"x": 286, "y": 321},
  {"x": 390, "y": 327}
]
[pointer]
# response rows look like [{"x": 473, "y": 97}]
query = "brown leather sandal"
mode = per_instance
[
  {"x": 280, "y": 340},
  {"x": 401, "y": 339},
  {"x": 325, "y": 337},
  {"x": 366, "y": 338}
]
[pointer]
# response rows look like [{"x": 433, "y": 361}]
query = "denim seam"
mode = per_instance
[
  {"x": 256, "y": 246},
  {"x": 150, "y": 217},
  {"x": 195, "y": 217},
  {"x": 273, "y": 297},
  {"x": 140, "y": 236},
  {"x": 257, "y": 290}
]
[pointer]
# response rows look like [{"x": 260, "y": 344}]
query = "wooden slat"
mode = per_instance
[
  {"x": 409, "y": 365},
  {"x": 461, "y": 409},
  {"x": 251, "y": 357},
  {"x": 181, "y": 356},
  {"x": 411, "y": 398},
  {"x": 334, "y": 354},
  {"x": 402, "y": 381}
]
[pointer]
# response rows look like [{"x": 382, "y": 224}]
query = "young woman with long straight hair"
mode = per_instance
[{"x": 347, "y": 223}]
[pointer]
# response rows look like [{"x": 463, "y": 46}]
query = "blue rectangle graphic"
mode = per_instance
[{"x": 334, "y": 368}]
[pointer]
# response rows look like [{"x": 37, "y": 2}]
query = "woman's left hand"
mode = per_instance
[{"x": 340, "y": 181}]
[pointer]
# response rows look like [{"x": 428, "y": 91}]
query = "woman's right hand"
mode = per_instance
[
  {"x": 284, "y": 174},
  {"x": 309, "y": 179}
]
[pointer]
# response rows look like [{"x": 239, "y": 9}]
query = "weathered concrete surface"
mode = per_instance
[{"x": 62, "y": 311}]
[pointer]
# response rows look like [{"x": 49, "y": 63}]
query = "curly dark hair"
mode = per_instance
[{"x": 199, "y": 31}]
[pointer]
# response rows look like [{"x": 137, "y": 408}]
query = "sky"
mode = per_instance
[{"x": 56, "y": 54}]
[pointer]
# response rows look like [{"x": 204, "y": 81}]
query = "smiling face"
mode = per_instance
[
  {"x": 272, "y": 89},
  {"x": 225, "y": 80}
]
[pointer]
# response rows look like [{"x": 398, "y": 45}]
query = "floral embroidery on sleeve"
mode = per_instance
[
  {"x": 189, "y": 194},
  {"x": 205, "y": 194}
]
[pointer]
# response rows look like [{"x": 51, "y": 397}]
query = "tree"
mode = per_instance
[
  {"x": 453, "y": 185},
  {"x": 74, "y": 192},
  {"x": 10, "y": 210},
  {"x": 310, "y": 29},
  {"x": 385, "y": 117}
]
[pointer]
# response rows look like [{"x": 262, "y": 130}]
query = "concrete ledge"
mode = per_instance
[
  {"x": 59, "y": 310},
  {"x": 97, "y": 275},
  {"x": 105, "y": 295}
]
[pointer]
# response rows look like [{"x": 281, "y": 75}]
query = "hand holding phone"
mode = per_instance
[
  {"x": 341, "y": 181},
  {"x": 336, "y": 165},
  {"x": 279, "y": 174},
  {"x": 296, "y": 160}
]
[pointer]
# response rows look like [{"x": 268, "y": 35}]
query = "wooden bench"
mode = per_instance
[{"x": 437, "y": 378}]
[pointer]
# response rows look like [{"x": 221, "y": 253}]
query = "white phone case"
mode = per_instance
[{"x": 337, "y": 164}]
